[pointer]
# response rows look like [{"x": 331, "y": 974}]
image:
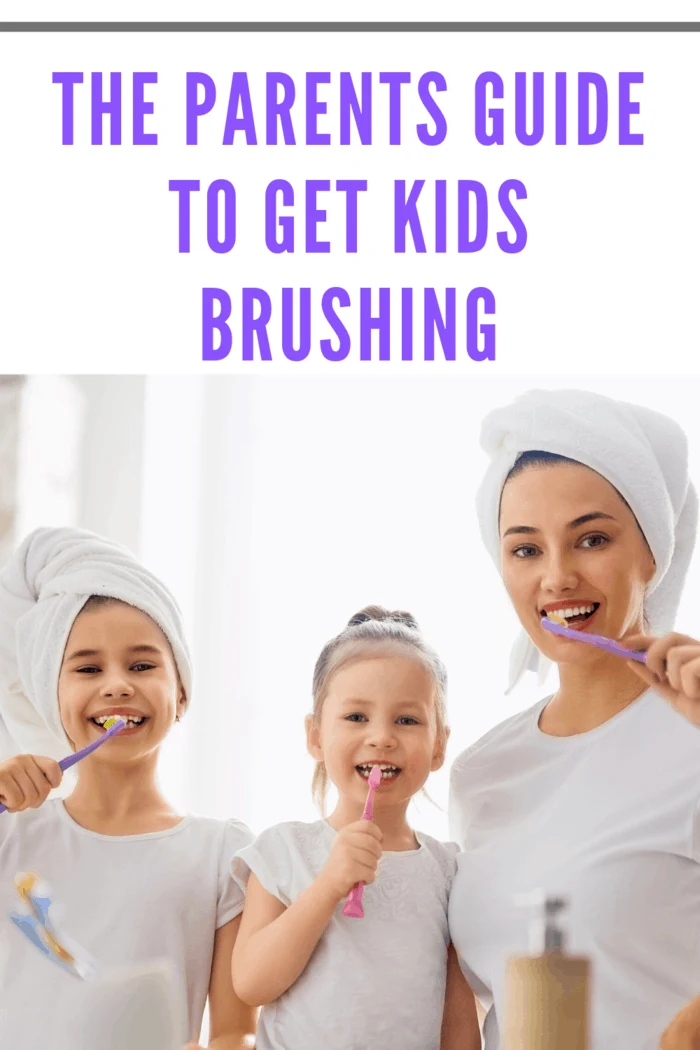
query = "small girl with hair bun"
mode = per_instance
[{"x": 390, "y": 979}]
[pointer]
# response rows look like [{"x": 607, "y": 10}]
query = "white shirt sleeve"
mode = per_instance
[
  {"x": 231, "y": 895},
  {"x": 269, "y": 859}
]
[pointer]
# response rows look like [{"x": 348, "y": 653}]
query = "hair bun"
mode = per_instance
[{"x": 378, "y": 612}]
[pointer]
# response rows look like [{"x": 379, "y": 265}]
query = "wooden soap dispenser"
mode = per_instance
[{"x": 547, "y": 991}]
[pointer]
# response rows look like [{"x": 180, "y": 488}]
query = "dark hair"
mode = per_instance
[
  {"x": 537, "y": 458},
  {"x": 373, "y": 628}
]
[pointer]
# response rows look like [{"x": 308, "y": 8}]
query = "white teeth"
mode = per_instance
[
  {"x": 131, "y": 720},
  {"x": 575, "y": 610},
  {"x": 387, "y": 771}
]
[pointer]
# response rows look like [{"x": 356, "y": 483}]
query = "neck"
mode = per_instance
[
  {"x": 120, "y": 798},
  {"x": 590, "y": 695},
  {"x": 391, "y": 821}
]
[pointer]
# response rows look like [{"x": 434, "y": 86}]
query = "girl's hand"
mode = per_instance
[
  {"x": 353, "y": 857},
  {"x": 683, "y": 1033},
  {"x": 673, "y": 669},
  {"x": 26, "y": 780}
]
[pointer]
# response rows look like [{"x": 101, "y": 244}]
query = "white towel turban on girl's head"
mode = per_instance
[
  {"x": 43, "y": 587},
  {"x": 642, "y": 453}
]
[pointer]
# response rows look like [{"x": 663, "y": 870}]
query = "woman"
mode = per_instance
[{"x": 594, "y": 792}]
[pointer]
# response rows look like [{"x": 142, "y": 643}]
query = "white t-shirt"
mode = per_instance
[
  {"x": 376, "y": 983},
  {"x": 125, "y": 901},
  {"x": 609, "y": 819}
]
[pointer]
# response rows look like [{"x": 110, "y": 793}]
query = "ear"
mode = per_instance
[
  {"x": 438, "y": 759},
  {"x": 181, "y": 705},
  {"x": 313, "y": 738}
]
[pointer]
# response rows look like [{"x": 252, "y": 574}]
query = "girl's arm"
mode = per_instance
[
  {"x": 275, "y": 943},
  {"x": 460, "y": 1023},
  {"x": 231, "y": 1022}
]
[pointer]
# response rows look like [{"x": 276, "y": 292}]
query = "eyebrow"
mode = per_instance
[
  {"x": 356, "y": 702},
  {"x": 528, "y": 530},
  {"x": 132, "y": 649}
]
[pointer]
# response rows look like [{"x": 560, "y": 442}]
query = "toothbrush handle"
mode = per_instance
[
  {"x": 353, "y": 905},
  {"x": 70, "y": 760},
  {"x": 620, "y": 650},
  {"x": 598, "y": 640}
]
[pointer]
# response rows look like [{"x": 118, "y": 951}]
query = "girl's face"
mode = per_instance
[
  {"x": 118, "y": 662},
  {"x": 570, "y": 544},
  {"x": 378, "y": 710}
]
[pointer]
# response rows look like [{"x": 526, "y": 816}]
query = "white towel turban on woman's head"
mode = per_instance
[
  {"x": 43, "y": 587},
  {"x": 642, "y": 453}
]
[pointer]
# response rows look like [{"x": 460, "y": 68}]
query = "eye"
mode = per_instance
[
  {"x": 90, "y": 669},
  {"x": 407, "y": 720},
  {"x": 593, "y": 541},
  {"x": 525, "y": 550},
  {"x": 356, "y": 716},
  {"x": 143, "y": 666}
]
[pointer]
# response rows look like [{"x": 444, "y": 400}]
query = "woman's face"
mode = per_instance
[
  {"x": 118, "y": 662},
  {"x": 571, "y": 545}
]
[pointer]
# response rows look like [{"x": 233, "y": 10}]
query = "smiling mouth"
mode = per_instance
[
  {"x": 572, "y": 616},
  {"x": 132, "y": 721},
  {"x": 388, "y": 772}
]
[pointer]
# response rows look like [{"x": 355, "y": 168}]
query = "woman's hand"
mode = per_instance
[
  {"x": 683, "y": 1033},
  {"x": 673, "y": 669}
]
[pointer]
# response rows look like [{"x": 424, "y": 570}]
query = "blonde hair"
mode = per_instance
[{"x": 371, "y": 631}]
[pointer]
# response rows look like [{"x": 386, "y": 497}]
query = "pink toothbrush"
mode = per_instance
[
  {"x": 554, "y": 627},
  {"x": 115, "y": 727},
  {"x": 353, "y": 905}
]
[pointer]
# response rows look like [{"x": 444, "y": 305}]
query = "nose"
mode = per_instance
[
  {"x": 116, "y": 685},
  {"x": 559, "y": 572},
  {"x": 381, "y": 735}
]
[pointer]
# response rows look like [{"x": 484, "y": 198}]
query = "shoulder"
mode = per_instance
[
  {"x": 443, "y": 853},
  {"x": 657, "y": 715},
  {"x": 281, "y": 858},
  {"x": 500, "y": 738},
  {"x": 230, "y": 835},
  {"x": 292, "y": 836}
]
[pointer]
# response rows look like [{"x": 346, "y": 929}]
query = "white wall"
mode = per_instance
[{"x": 111, "y": 455}]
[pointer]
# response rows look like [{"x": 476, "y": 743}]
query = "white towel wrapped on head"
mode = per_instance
[
  {"x": 642, "y": 453},
  {"x": 43, "y": 587}
]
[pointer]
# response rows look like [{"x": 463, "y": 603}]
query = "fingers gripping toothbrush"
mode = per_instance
[
  {"x": 112, "y": 725},
  {"x": 353, "y": 906}
]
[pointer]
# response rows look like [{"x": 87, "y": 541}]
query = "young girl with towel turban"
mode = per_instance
[
  {"x": 87, "y": 632},
  {"x": 594, "y": 793}
]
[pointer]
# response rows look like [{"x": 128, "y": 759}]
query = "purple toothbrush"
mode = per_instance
[
  {"x": 117, "y": 725},
  {"x": 592, "y": 639}
]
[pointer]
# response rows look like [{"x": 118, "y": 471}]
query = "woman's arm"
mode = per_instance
[
  {"x": 683, "y": 1033},
  {"x": 460, "y": 1023},
  {"x": 275, "y": 943},
  {"x": 231, "y": 1021}
]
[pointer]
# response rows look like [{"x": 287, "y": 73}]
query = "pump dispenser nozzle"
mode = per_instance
[
  {"x": 546, "y": 991},
  {"x": 546, "y": 931}
]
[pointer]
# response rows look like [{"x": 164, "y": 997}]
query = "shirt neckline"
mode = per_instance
[
  {"x": 389, "y": 852},
  {"x": 581, "y": 739},
  {"x": 66, "y": 818}
]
